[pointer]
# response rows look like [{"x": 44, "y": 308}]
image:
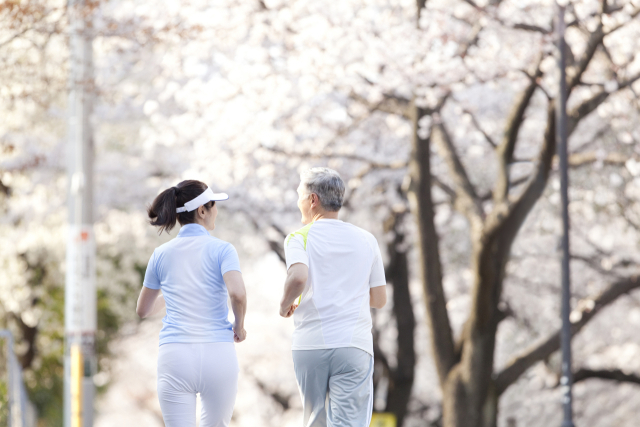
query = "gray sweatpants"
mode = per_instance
[{"x": 336, "y": 386}]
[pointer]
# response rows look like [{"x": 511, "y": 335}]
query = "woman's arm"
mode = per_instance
[
  {"x": 238, "y": 297},
  {"x": 150, "y": 302}
]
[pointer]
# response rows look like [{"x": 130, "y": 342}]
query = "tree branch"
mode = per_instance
[
  {"x": 277, "y": 396},
  {"x": 378, "y": 356},
  {"x": 274, "y": 245},
  {"x": 532, "y": 28},
  {"x": 487, "y": 137},
  {"x": 444, "y": 187},
  {"x": 577, "y": 160},
  {"x": 517, "y": 212},
  {"x": 622, "y": 24},
  {"x": 593, "y": 263},
  {"x": 628, "y": 82},
  {"x": 372, "y": 163},
  {"x": 467, "y": 200},
  {"x": 545, "y": 348},
  {"x": 391, "y": 104},
  {"x": 473, "y": 5},
  {"x": 473, "y": 40},
  {"x": 605, "y": 374},
  {"x": 517, "y": 26},
  {"x": 587, "y": 107},
  {"x": 574, "y": 73},
  {"x": 15, "y": 36},
  {"x": 506, "y": 218},
  {"x": 510, "y": 138}
]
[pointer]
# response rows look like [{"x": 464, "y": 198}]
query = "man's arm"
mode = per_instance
[
  {"x": 293, "y": 286},
  {"x": 238, "y": 297},
  {"x": 378, "y": 296},
  {"x": 377, "y": 281}
]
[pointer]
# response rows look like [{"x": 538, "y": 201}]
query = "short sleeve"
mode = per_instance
[
  {"x": 229, "y": 260},
  {"x": 151, "y": 279},
  {"x": 377, "y": 269},
  {"x": 295, "y": 251}
]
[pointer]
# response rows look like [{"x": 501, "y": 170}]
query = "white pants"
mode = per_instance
[{"x": 185, "y": 369}]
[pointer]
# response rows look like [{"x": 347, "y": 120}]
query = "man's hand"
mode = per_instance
[
  {"x": 239, "y": 334},
  {"x": 288, "y": 311}
]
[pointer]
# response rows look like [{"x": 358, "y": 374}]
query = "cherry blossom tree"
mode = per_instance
[{"x": 440, "y": 117}]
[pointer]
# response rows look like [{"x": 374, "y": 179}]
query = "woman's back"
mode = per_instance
[
  {"x": 189, "y": 271},
  {"x": 196, "y": 274}
]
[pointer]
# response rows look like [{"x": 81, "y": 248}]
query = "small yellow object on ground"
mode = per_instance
[{"x": 383, "y": 419}]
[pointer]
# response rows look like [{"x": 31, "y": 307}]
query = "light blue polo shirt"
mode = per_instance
[{"x": 189, "y": 270}]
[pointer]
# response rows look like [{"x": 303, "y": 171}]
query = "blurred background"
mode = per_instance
[{"x": 439, "y": 116}]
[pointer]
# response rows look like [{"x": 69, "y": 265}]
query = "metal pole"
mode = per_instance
[
  {"x": 11, "y": 401},
  {"x": 17, "y": 397},
  {"x": 566, "y": 380},
  {"x": 80, "y": 293}
]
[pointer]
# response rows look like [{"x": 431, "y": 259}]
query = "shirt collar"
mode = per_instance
[{"x": 191, "y": 230}]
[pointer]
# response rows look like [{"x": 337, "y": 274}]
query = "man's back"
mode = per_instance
[{"x": 344, "y": 263}]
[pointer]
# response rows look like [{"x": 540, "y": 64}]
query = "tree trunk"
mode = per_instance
[
  {"x": 421, "y": 203},
  {"x": 470, "y": 398},
  {"x": 470, "y": 392},
  {"x": 401, "y": 378}
]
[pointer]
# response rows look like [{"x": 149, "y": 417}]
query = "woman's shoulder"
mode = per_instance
[
  {"x": 164, "y": 247},
  {"x": 216, "y": 244}
]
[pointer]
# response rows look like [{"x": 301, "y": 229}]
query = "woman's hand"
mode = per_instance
[
  {"x": 239, "y": 334},
  {"x": 288, "y": 311}
]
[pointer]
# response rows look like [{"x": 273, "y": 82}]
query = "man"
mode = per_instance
[{"x": 334, "y": 275}]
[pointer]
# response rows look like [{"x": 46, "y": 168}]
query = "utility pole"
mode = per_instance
[
  {"x": 80, "y": 288},
  {"x": 566, "y": 380}
]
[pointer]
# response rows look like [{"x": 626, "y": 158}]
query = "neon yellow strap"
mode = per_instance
[{"x": 304, "y": 232}]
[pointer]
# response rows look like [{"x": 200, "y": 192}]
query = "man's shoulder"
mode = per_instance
[
  {"x": 366, "y": 234},
  {"x": 302, "y": 233}
]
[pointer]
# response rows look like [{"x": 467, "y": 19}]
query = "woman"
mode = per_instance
[{"x": 196, "y": 273}]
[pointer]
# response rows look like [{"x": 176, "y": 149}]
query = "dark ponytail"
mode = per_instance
[{"x": 162, "y": 212}]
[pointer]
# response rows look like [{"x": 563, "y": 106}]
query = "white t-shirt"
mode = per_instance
[{"x": 344, "y": 263}]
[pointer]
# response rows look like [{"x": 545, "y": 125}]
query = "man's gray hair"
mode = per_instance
[{"x": 327, "y": 184}]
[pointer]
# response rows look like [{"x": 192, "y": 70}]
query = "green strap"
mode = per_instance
[{"x": 304, "y": 232}]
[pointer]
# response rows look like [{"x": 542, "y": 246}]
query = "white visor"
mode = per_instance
[{"x": 203, "y": 198}]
